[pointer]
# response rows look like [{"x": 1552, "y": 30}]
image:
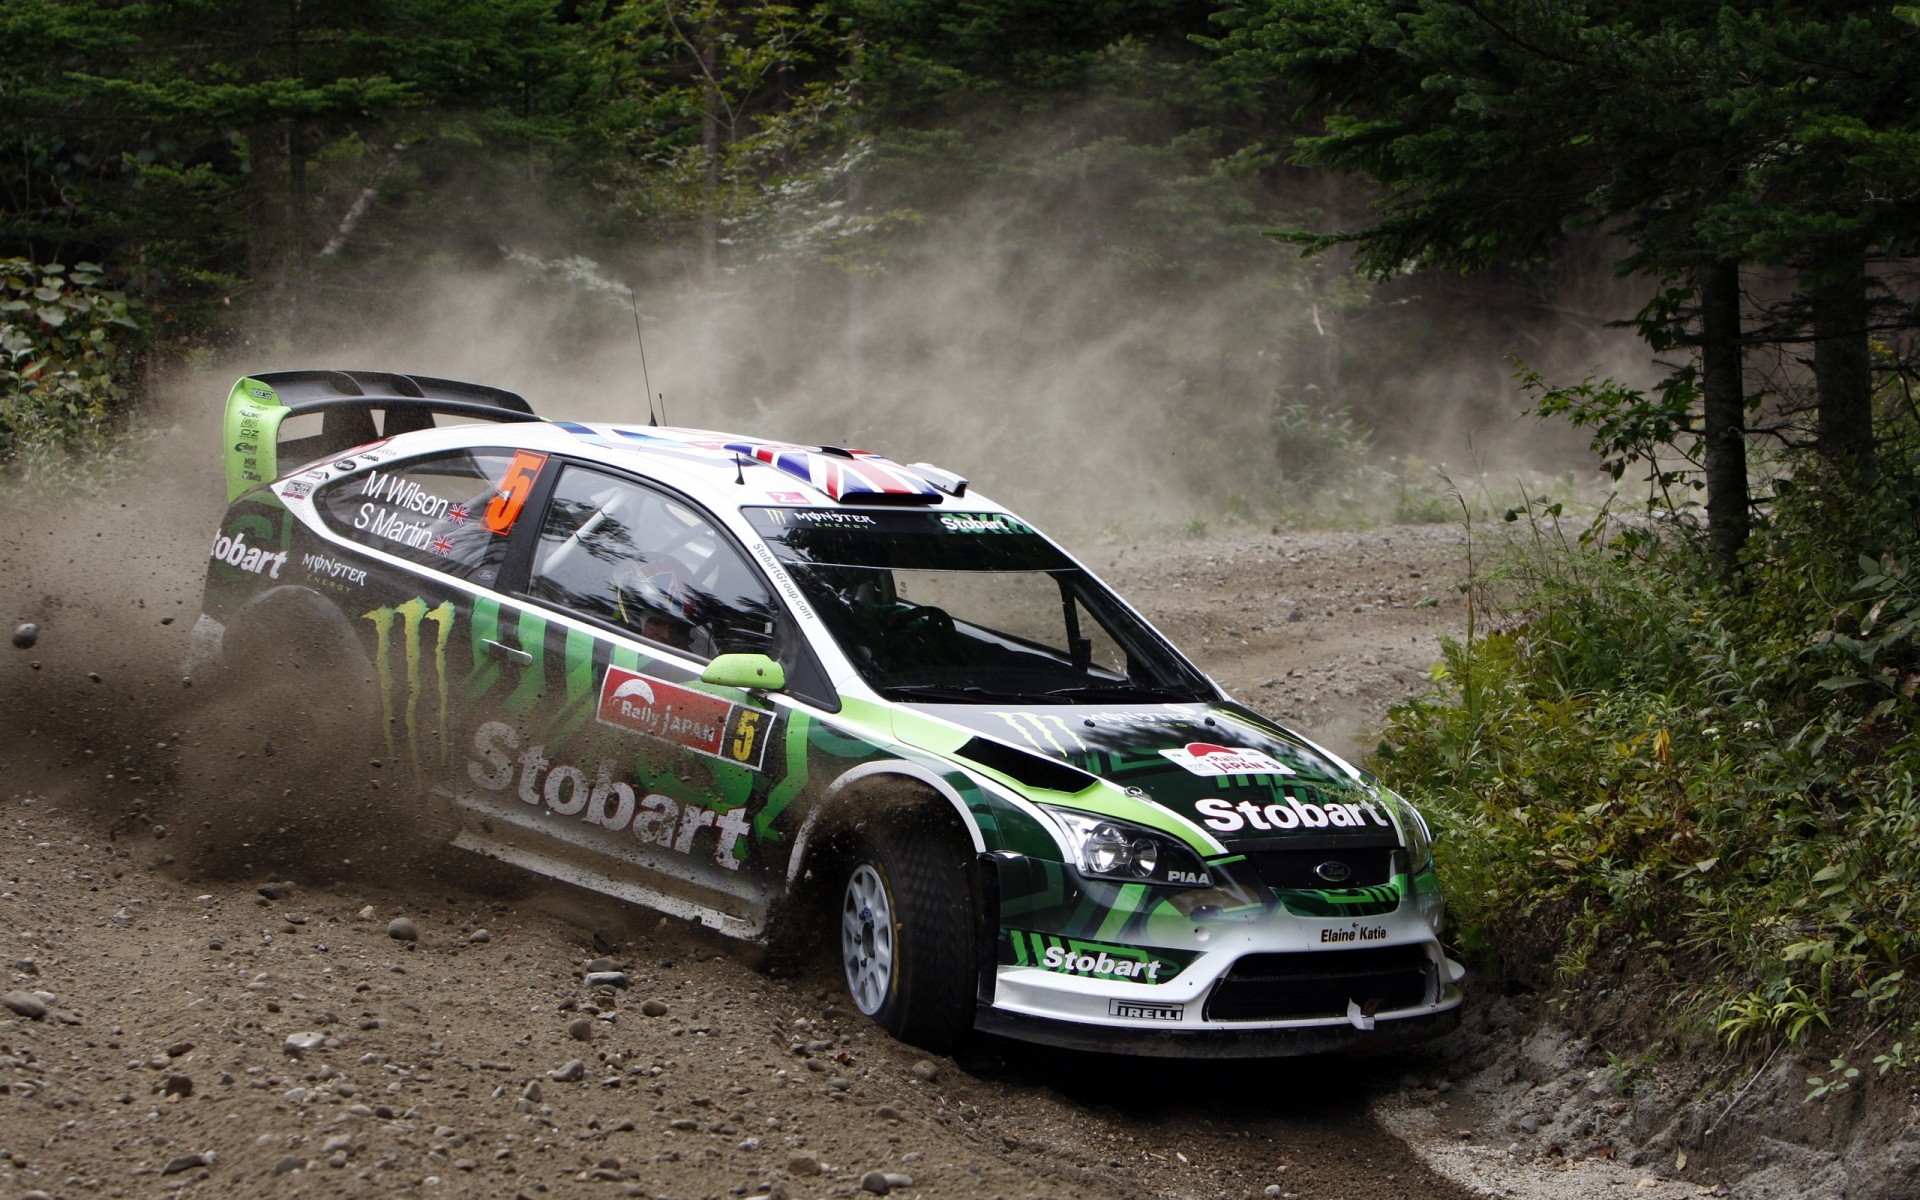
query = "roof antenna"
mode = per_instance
[{"x": 641, "y": 338}]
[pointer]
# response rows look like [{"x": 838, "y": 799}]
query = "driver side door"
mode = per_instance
[{"x": 621, "y": 770}]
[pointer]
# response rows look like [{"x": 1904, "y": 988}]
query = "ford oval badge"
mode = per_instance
[{"x": 1333, "y": 871}]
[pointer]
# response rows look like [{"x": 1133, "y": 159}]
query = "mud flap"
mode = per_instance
[{"x": 986, "y": 948}]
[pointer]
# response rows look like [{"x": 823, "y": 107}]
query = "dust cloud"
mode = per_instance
[
  {"x": 192, "y": 773},
  {"x": 1060, "y": 376},
  {"x": 1070, "y": 383}
]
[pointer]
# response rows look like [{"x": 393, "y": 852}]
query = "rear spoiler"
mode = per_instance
[{"x": 347, "y": 400}]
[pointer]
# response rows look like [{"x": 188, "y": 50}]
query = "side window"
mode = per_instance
[
  {"x": 437, "y": 512},
  {"x": 635, "y": 557}
]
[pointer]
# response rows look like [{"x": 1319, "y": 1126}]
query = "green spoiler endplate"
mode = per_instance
[{"x": 252, "y": 429}]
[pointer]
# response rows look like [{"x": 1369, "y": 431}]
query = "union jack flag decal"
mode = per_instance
[{"x": 840, "y": 475}]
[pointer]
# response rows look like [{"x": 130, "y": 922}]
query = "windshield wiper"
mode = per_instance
[
  {"x": 1117, "y": 691},
  {"x": 973, "y": 694},
  {"x": 965, "y": 693}
]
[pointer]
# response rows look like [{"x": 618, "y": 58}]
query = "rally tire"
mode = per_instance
[{"x": 907, "y": 933}]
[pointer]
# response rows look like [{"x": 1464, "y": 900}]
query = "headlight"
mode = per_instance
[{"x": 1103, "y": 848}]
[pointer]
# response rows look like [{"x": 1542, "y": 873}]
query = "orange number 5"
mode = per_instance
[{"x": 504, "y": 509}]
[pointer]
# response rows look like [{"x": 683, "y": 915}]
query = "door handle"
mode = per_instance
[{"x": 502, "y": 650}]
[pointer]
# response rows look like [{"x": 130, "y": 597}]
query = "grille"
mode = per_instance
[
  {"x": 1293, "y": 867},
  {"x": 1319, "y": 983}
]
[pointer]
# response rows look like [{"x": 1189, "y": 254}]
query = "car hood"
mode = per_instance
[{"x": 1248, "y": 781}]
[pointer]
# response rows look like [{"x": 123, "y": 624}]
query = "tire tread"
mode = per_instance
[{"x": 932, "y": 1001}]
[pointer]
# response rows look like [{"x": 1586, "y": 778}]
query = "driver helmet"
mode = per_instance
[{"x": 657, "y": 596}]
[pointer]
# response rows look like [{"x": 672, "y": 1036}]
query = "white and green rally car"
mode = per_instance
[{"x": 711, "y": 674}]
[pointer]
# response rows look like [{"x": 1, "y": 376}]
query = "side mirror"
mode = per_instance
[{"x": 755, "y": 671}]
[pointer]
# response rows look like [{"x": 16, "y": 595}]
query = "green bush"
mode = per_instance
[
  {"x": 68, "y": 345},
  {"x": 1643, "y": 758}
]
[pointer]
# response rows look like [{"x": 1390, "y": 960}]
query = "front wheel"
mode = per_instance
[{"x": 906, "y": 935}]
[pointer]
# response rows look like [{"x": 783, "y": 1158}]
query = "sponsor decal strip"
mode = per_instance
[
  {"x": 791, "y": 591},
  {"x": 1092, "y": 960},
  {"x": 1147, "y": 1012},
  {"x": 608, "y": 800},
  {"x": 1291, "y": 813},
  {"x": 1205, "y": 758},
  {"x": 822, "y": 516},
  {"x": 326, "y": 566},
  {"x": 234, "y": 551},
  {"x": 703, "y": 723},
  {"x": 983, "y": 523}
]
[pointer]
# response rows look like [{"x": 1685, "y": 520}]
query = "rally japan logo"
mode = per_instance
[
  {"x": 1205, "y": 758},
  {"x": 698, "y": 721}
]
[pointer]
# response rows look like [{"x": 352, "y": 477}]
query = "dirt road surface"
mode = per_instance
[{"x": 168, "y": 1033}]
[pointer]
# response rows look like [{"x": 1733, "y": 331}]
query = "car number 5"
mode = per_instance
[
  {"x": 745, "y": 732},
  {"x": 511, "y": 496}
]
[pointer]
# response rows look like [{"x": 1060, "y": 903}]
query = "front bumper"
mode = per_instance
[
  {"x": 1218, "y": 1041},
  {"x": 1149, "y": 971}
]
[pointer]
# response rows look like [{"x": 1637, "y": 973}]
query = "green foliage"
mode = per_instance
[
  {"x": 1623, "y": 1073},
  {"x": 1838, "y": 1079},
  {"x": 1642, "y": 758},
  {"x": 1699, "y": 132},
  {"x": 204, "y": 150},
  {"x": 702, "y": 102},
  {"x": 1784, "y": 1008},
  {"x": 67, "y": 344},
  {"x": 1893, "y": 1058},
  {"x": 1630, "y": 427}
]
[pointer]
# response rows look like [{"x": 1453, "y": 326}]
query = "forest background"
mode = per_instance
[{"x": 1065, "y": 239}]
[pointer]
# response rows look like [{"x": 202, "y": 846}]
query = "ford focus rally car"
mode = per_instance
[{"x": 712, "y": 674}]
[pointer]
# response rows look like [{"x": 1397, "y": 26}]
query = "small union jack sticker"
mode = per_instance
[
  {"x": 458, "y": 514},
  {"x": 443, "y": 545}
]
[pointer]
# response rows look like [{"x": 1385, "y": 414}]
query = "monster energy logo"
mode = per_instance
[
  {"x": 1044, "y": 732},
  {"x": 413, "y": 616}
]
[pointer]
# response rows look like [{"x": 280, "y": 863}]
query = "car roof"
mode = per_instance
[{"x": 724, "y": 470}]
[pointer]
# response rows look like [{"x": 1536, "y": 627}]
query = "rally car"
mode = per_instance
[{"x": 713, "y": 675}]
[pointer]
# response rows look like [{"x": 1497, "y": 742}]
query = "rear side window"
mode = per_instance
[{"x": 431, "y": 511}]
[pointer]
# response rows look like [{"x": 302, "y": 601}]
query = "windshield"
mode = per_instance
[{"x": 970, "y": 608}]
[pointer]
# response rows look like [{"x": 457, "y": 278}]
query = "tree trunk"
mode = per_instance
[
  {"x": 1724, "y": 418},
  {"x": 270, "y": 231},
  {"x": 710, "y": 151},
  {"x": 1842, "y": 358},
  {"x": 267, "y": 233}
]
